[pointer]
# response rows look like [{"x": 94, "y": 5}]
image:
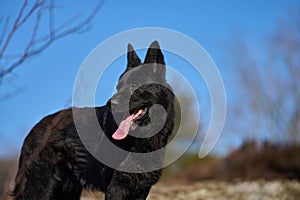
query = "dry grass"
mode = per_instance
[{"x": 220, "y": 190}]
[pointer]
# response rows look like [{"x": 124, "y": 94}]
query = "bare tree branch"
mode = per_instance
[
  {"x": 38, "y": 45},
  {"x": 37, "y": 5},
  {"x": 35, "y": 30},
  {"x": 14, "y": 28},
  {"x": 51, "y": 19},
  {"x": 4, "y": 30}
]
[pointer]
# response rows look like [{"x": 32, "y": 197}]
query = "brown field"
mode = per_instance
[{"x": 220, "y": 190}]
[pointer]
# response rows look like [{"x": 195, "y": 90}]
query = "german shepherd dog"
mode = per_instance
[{"x": 55, "y": 164}]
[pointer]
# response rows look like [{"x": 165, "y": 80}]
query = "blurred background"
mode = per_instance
[{"x": 255, "y": 44}]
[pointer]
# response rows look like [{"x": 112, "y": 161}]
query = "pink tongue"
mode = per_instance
[{"x": 123, "y": 129}]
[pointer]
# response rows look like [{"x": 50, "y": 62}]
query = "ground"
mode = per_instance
[{"x": 219, "y": 190}]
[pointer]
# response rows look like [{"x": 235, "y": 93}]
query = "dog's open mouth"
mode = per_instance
[{"x": 125, "y": 124}]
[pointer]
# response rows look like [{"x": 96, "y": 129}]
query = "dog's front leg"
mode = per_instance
[{"x": 116, "y": 192}]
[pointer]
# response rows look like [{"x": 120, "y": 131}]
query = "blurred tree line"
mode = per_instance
[
  {"x": 266, "y": 115},
  {"x": 269, "y": 75}
]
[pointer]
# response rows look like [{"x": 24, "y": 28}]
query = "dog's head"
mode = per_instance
[{"x": 141, "y": 86}]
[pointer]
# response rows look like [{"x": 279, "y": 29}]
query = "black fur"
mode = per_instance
[{"x": 54, "y": 164}]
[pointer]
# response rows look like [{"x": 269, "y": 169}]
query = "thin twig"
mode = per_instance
[
  {"x": 14, "y": 28},
  {"x": 4, "y": 30},
  {"x": 56, "y": 30},
  {"x": 11, "y": 94},
  {"x": 30, "y": 12},
  {"x": 51, "y": 19},
  {"x": 83, "y": 23},
  {"x": 55, "y": 34},
  {"x": 34, "y": 31}
]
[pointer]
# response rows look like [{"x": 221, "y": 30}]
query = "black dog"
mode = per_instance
[{"x": 54, "y": 163}]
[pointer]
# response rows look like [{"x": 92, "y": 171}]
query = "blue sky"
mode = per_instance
[{"x": 48, "y": 78}]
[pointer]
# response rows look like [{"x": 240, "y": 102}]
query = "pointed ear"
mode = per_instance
[
  {"x": 132, "y": 58},
  {"x": 155, "y": 57},
  {"x": 154, "y": 54}
]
